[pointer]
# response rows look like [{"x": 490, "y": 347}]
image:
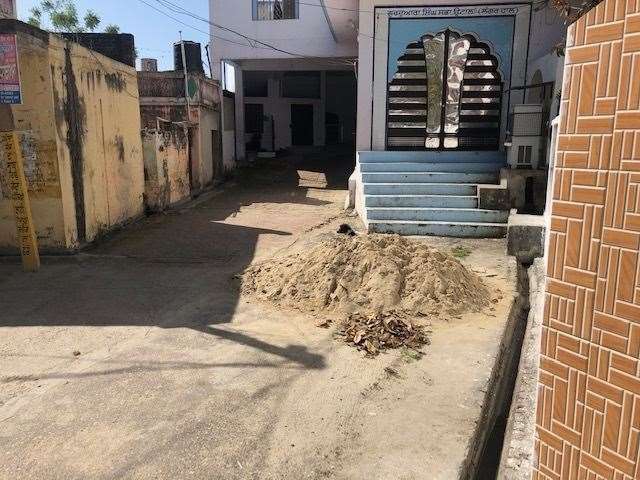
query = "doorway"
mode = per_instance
[
  {"x": 301, "y": 124},
  {"x": 253, "y": 125}
]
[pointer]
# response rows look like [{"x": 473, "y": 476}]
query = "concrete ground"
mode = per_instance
[{"x": 139, "y": 359}]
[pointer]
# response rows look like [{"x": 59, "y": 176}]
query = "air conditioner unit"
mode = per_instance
[{"x": 523, "y": 150}]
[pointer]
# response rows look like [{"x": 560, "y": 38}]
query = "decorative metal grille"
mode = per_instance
[{"x": 446, "y": 94}]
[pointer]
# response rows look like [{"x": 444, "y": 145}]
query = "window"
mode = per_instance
[
  {"x": 275, "y": 9},
  {"x": 228, "y": 77}
]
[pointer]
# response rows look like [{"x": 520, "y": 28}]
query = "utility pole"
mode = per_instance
[{"x": 186, "y": 76}]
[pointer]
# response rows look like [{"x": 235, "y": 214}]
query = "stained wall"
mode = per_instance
[{"x": 82, "y": 112}]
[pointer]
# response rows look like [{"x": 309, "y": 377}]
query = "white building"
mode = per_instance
[
  {"x": 437, "y": 85},
  {"x": 295, "y": 83}
]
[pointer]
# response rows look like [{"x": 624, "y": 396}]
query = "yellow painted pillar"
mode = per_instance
[{"x": 27, "y": 240}]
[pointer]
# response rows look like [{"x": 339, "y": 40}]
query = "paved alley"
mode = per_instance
[{"x": 139, "y": 359}]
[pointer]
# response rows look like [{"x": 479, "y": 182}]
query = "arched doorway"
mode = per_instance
[{"x": 445, "y": 95}]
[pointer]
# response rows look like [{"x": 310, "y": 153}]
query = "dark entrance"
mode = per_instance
[
  {"x": 253, "y": 125},
  {"x": 302, "y": 124}
]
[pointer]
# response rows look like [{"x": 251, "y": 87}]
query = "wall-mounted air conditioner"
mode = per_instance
[{"x": 525, "y": 143}]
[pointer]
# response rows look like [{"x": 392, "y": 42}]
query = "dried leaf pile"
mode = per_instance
[{"x": 377, "y": 332}]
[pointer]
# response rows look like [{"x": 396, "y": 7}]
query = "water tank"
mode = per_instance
[
  {"x": 193, "y": 52},
  {"x": 149, "y": 65}
]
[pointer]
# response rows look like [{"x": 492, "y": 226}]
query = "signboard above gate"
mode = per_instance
[
  {"x": 457, "y": 11},
  {"x": 442, "y": 75}
]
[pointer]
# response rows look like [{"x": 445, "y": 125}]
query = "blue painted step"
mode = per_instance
[
  {"x": 430, "y": 177},
  {"x": 438, "y": 214},
  {"x": 439, "y": 201},
  {"x": 442, "y": 229},
  {"x": 406, "y": 167},
  {"x": 420, "y": 189},
  {"x": 432, "y": 157}
]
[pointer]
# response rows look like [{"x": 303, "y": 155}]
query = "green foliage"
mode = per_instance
[
  {"x": 111, "y": 28},
  {"x": 461, "y": 251},
  {"x": 410, "y": 355},
  {"x": 63, "y": 16},
  {"x": 91, "y": 20}
]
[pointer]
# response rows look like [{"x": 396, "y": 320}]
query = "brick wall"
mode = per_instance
[{"x": 589, "y": 392}]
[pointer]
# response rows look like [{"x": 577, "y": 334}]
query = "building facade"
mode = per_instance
[
  {"x": 290, "y": 81},
  {"x": 181, "y": 132},
  {"x": 449, "y": 93},
  {"x": 78, "y": 118},
  {"x": 454, "y": 104}
]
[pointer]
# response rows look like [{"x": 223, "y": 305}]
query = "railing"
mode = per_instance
[{"x": 275, "y": 9}]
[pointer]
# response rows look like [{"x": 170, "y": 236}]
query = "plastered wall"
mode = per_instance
[
  {"x": 82, "y": 116},
  {"x": 97, "y": 117},
  {"x": 35, "y": 119}
]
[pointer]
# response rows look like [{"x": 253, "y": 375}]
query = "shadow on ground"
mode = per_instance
[{"x": 175, "y": 270}]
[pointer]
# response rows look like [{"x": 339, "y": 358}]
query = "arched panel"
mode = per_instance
[{"x": 446, "y": 94}]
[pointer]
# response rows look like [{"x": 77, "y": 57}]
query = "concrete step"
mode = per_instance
[
  {"x": 420, "y": 189},
  {"x": 438, "y": 214},
  {"x": 433, "y": 201},
  {"x": 432, "y": 157},
  {"x": 441, "y": 229},
  {"x": 405, "y": 167},
  {"x": 430, "y": 177}
]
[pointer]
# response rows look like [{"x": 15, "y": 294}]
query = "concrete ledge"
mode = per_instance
[
  {"x": 518, "y": 452},
  {"x": 525, "y": 236},
  {"x": 495, "y": 197}
]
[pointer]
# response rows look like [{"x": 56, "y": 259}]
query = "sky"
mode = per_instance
[{"x": 154, "y": 32}]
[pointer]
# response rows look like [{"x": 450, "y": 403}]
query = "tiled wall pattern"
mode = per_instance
[{"x": 589, "y": 392}]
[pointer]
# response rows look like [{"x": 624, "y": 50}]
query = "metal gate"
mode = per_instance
[{"x": 445, "y": 95}]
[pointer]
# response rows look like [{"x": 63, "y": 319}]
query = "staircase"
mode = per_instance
[{"x": 429, "y": 193}]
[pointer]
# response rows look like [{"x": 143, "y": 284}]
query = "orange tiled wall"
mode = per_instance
[{"x": 589, "y": 392}]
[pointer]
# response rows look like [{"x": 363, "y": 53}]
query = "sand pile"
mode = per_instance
[{"x": 368, "y": 274}]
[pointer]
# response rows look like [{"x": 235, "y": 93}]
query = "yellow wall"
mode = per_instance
[
  {"x": 78, "y": 105},
  {"x": 208, "y": 124},
  {"x": 111, "y": 148},
  {"x": 36, "y": 117},
  {"x": 166, "y": 163}
]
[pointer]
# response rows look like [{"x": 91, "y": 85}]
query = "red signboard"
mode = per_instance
[{"x": 9, "y": 72}]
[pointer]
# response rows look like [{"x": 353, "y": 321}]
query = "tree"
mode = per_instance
[{"x": 63, "y": 17}]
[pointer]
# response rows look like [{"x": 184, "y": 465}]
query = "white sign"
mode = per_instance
[
  {"x": 8, "y": 9},
  {"x": 459, "y": 11}
]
